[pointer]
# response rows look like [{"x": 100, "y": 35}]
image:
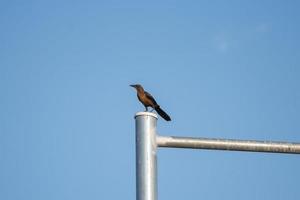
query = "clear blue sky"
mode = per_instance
[{"x": 66, "y": 110}]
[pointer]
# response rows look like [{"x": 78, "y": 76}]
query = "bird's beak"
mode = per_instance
[{"x": 132, "y": 86}]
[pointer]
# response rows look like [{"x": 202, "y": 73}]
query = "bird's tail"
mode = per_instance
[{"x": 162, "y": 113}]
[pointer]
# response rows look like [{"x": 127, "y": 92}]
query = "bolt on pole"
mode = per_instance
[{"x": 146, "y": 173}]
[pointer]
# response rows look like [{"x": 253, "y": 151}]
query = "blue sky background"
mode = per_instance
[{"x": 66, "y": 110}]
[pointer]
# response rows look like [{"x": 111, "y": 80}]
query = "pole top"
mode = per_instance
[{"x": 146, "y": 114}]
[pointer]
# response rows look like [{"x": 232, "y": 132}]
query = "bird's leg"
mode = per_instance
[
  {"x": 146, "y": 109},
  {"x": 153, "y": 107}
]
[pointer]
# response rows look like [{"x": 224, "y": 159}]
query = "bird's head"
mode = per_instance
[{"x": 136, "y": 86}]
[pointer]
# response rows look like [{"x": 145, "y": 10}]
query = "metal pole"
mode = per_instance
[
  {"x": 231, "y": 145},
  {"x": 146, "y": 181}
]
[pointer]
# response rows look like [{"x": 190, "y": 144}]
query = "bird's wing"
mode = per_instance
[{"x": 150, "y": 97}]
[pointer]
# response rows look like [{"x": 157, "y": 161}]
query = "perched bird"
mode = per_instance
[{"x": 148, "y": 101}]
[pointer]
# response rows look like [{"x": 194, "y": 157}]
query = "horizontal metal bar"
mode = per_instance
[{"x": 228, "y": 144}]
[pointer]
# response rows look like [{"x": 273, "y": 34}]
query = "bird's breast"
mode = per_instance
[{"x": 143, "y": 98}]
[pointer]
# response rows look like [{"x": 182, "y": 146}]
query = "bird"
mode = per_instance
[{"x": 148, "y": 101}]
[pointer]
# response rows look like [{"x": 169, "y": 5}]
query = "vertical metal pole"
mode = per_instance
[{"x": 146, "y": 180}]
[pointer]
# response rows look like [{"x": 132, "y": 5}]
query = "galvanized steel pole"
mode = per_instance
[
  {"x": 231, "y": 145},
  {"x": 146, "y": 173},
  {"x": 147, "y": 142}
]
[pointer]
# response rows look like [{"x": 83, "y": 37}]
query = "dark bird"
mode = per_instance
[{"x": 148, "y": 101}]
